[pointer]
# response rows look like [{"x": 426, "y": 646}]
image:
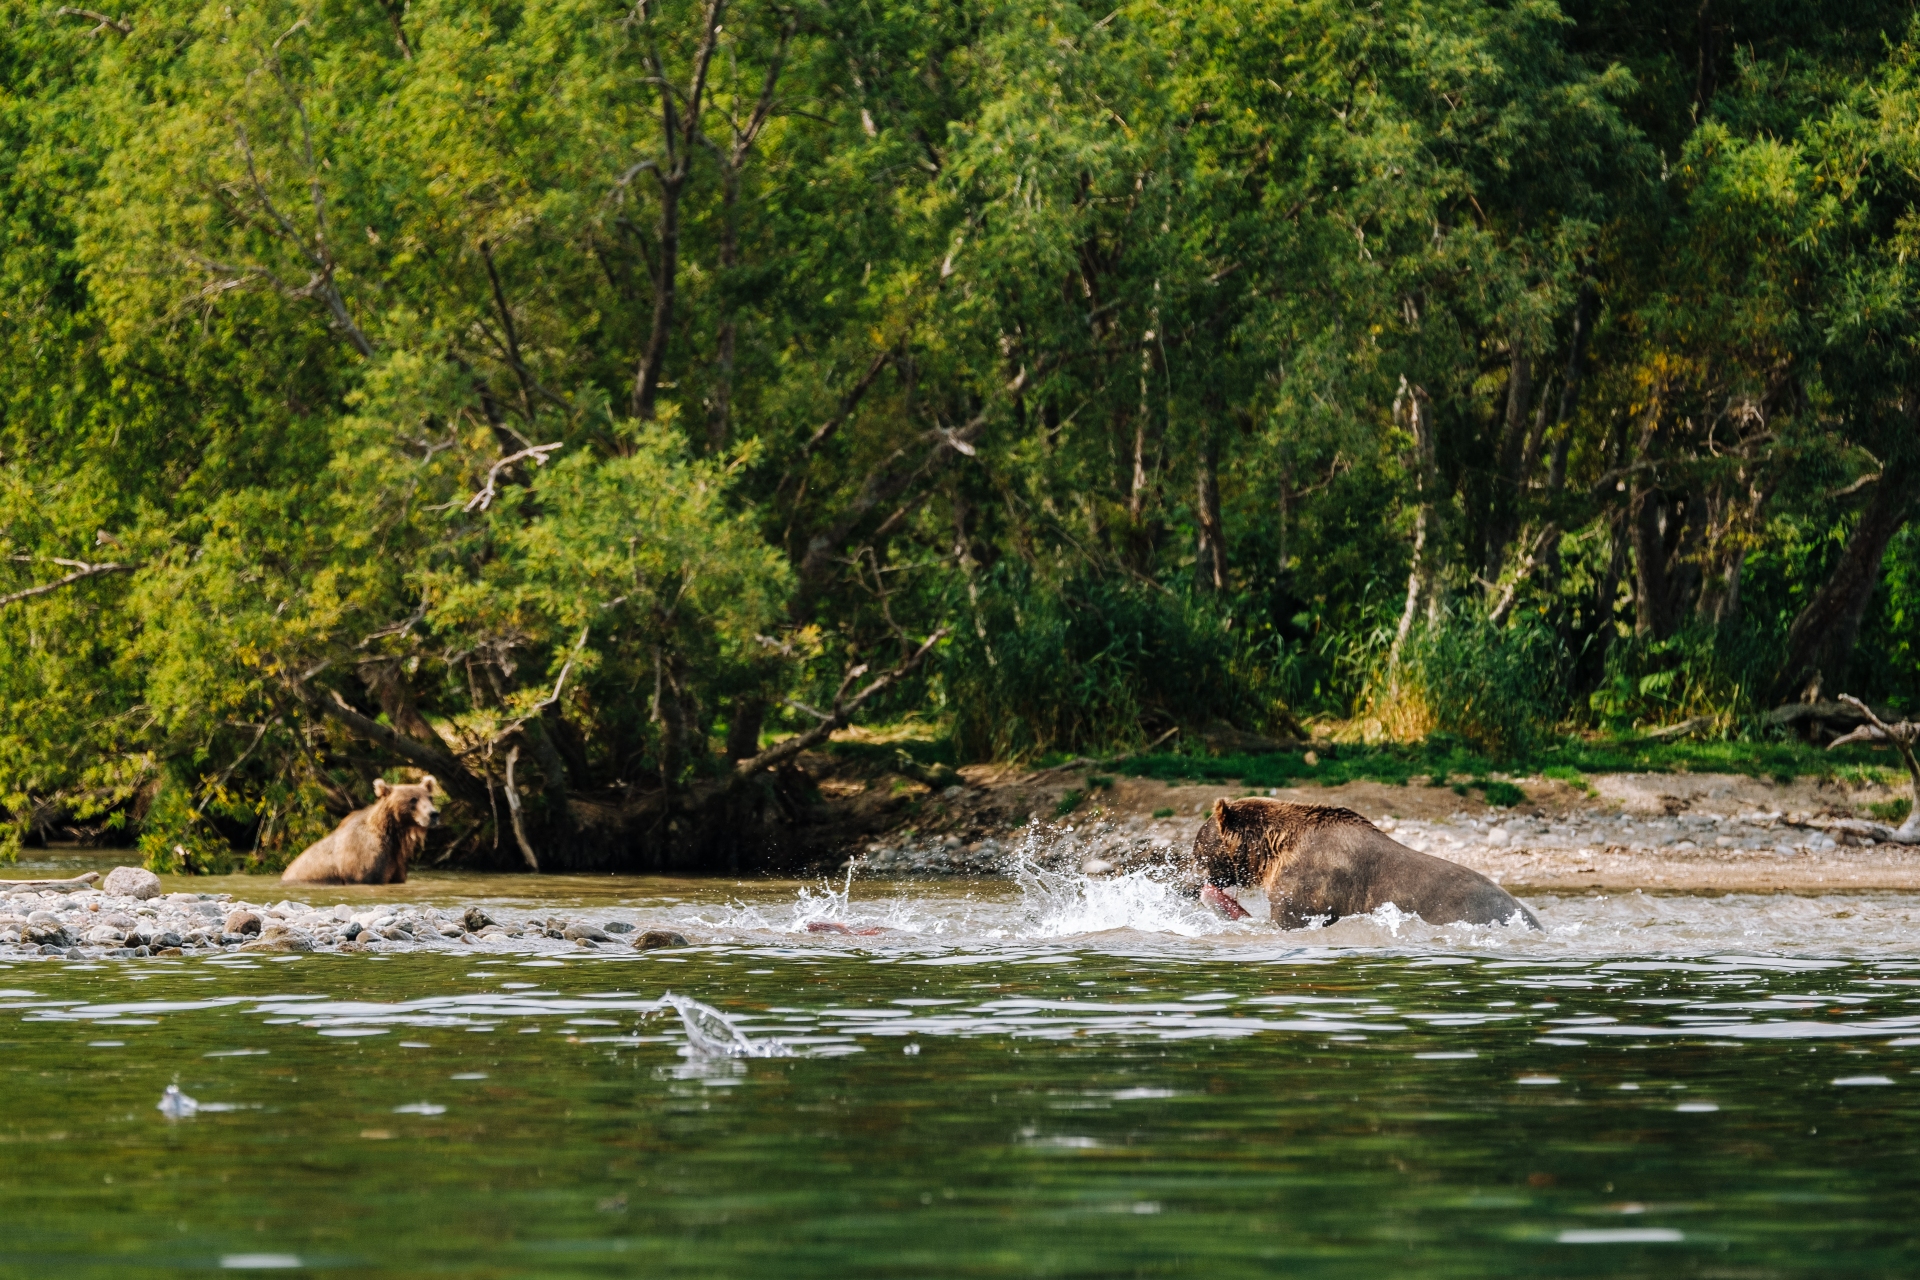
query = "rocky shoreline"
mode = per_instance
[{"x": 129, "y": 917}]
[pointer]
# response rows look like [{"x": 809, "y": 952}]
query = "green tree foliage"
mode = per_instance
[{"x": 594, "y": 407}]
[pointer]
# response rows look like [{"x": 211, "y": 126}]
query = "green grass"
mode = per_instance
[
  {"x": 1892, "y": 811},
  {"x": 1439, "y": 761},
  {"x": 1100, "y": 781},
  {"x": 1068, "y": 803},
  {"x": 1163, "y": 813}
]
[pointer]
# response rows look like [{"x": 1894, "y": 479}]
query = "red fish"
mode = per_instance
[{"x": 1222, "y": 901}]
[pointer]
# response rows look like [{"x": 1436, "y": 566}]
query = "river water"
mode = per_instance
[{"x": 1044, "y": 1076}]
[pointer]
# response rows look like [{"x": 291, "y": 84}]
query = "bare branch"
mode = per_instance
[
  {"x": 552, "y": 699},
  {"x": 82, "y": 571},
  {"x": 1903, "y": 736},
  {"x": 513, "y": 809},
  {"x": 848, "y": 403},
  {"x": 843, "y": 709},
  {"x": 483, "y": 499},
  {"x": 124, "y": 27}
]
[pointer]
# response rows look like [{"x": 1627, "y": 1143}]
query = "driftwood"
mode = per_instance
[
  {"x": 1903, "y": 736},
  {"x": 1812, "y": 719},
  {"x": 75, "y": 885},
  {"x": 1686, "y": 727}
]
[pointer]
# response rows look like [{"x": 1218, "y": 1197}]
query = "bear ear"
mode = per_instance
[
  {"x": 380, "y": 787},
  {"x": 1220, "y": 810},
  {"x": 431, "y": 783}
]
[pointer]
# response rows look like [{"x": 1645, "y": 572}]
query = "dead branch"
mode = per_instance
[
  {"x": 81, "y": 571},
  {"x": 848, "y": 403},
  {"x": 1902, "y": 736},
  {"x": 552, "y": 699},
  {"x": 513, "y": 809},
  {"x": 843, "y": 708},
  {"x": 483, "y": 499},
  {"x": 459, "y": 782},
  {"x": 124, "y": 27},
  {"x": 396, "y": 628}
]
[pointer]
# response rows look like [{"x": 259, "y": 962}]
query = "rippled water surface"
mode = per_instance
[{"x": 1046, "y": 1077}]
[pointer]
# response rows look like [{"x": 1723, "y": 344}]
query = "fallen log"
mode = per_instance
[{"x": 75, "y": 885}]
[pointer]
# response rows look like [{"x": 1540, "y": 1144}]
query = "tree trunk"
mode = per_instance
[
  {"x": 1651, "y": 593},
  {"x": 719, "y": 423},
  {"x": 1503, "y": 508},
  {"x": 1410, "y": 409},
  {"x": 666, "y": 279},
  {"x": 743, "y": 729},
  {"x": 1211, "y": 563},
  {"x": 1820, "y": 642}
]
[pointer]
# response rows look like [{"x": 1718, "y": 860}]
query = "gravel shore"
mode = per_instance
[{"x": 100, "y": 923}]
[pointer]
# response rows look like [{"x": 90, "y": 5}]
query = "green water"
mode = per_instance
[{"x": 1106, "y": 1105}]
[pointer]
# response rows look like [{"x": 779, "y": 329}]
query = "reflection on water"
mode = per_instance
[{"x": 1043, "y": 1076}]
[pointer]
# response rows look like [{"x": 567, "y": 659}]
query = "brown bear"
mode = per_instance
[
  {"x": 371, "y": 845},
  {"x": 1318, "y": 862}
]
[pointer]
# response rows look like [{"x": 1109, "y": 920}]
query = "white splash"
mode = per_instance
[
  {"x": 711, "y": 1034},
  {"x": 1063, "y": 903},
  {"x": 175, "y": 1105}
]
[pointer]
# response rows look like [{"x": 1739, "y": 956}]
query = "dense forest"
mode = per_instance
[{"x": 595, "y": 405}]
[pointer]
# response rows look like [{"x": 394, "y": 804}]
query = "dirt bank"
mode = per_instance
[{"x": 1715, "y": 833}]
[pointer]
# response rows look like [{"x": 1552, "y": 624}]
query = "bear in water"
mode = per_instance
[
  {"x": 1318, "y": 862},
  {"x": 371, "y": 845}
]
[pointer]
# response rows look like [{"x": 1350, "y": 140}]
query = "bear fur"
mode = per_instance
[
  {"x": 1319, "y": 862},
  {"x": 371, "y": 845}
]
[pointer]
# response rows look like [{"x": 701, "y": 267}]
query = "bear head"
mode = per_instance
[
  {"x": 412, "y": 802},
  {"x": 1222, "y": 853}
]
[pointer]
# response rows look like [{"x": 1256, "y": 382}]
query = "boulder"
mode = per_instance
[
  {"x": 476, "y": 920},
  {"x": 132, "y": 882},
  {"x": 653, "y": 939},
  {"x": 242, "y": 921}
]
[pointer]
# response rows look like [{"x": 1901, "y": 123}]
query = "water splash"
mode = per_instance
[
  {"x": 1059, "y": 903},
  {"x": 711, "y": 1034},
  {"x": 175, "y": 1105}
]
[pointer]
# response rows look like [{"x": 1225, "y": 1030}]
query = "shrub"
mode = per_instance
[
  {"x": 1498, "y": 689},
  {"x": 1089, "y": 665},
  {"x": 1721, "y": 672}
]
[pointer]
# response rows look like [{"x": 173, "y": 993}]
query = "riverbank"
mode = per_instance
[{"x": 1661, "y": 832}]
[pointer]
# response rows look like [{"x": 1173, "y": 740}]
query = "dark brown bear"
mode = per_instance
[
  {"x": 372, "y": 845},
  {"x": 1317, "y": 862}
]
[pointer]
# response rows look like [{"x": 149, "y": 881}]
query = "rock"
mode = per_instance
[
  {"x": 617, "y": 926},
  {"x": 105, "y": 935},
  {"x": 132, "y": 882},
  {"x": 166, "y": 938},
  {"x": 476, "y": 919},
  {"x": 581, "y": 931},
  {"x": 653, "y": 939},
  {"x": 47, "y": 929},
  {"x": 281, "y": 939},
  {"x": 352, "y": 929},
  {"x": 242, "y": 921}
]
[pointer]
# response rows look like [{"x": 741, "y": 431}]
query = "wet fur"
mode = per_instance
[
  {"x": 371, "y": 845},
  {"x": 1321, "y": 862}
]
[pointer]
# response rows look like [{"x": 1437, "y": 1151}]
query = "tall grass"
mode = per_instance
[
  {"x": 1499, "y": 690},
  {"x": 1720, "y": 673}
]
